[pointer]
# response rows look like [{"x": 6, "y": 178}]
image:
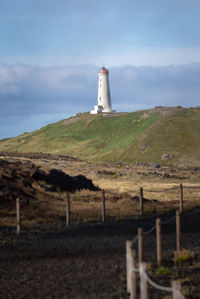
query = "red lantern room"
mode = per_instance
[{"x": 104, "y": 71}]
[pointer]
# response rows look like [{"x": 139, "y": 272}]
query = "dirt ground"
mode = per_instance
[{"x": 88, "y": 261}]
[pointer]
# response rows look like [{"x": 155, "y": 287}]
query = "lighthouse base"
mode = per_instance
[{"x": 100, "y": 109}]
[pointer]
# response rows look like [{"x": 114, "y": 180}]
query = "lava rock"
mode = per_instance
[{"x": 154, "y": 165}]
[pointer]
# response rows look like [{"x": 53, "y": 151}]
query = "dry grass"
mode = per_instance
[
  {"x": 86, "y": 208},
  {"x": 162, "y": 194},
  {"x": 184, "y": 255}
]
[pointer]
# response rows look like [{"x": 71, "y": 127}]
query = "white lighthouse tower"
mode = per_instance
[{"x": 104, "y": 100}]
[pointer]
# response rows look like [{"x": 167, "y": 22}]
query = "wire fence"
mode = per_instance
[
  {"x": 153, "y": 228},
  {"x": 175, "y": 289},
  {"x": 145, "y": 279},
  {"x": 70, "y": 215},
  {"x": 161, "y": 190},
  {"x": 133, "y": 272},
  {"x": 171, "y": 189}
]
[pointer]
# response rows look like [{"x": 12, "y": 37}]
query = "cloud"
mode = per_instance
[
  {"x": 172, "y": 85},
  {"x": 112, "y": 55},
  {"x": 26, "y": 89},
  {"x": 32, "y": 96},
  {"x": 151, "y": 56}
]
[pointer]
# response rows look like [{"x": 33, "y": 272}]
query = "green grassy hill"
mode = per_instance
[{"x": 143, "y": 136}]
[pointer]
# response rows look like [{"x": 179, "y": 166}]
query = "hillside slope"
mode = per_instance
[{"x": 143, "y": 136}]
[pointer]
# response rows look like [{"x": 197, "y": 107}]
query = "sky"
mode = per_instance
[{"x": 52, "y": 50}]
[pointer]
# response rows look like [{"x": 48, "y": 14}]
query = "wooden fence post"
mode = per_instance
[
  {"x": 181, "y": 198},
  {"x": 128, "y": 268},
  {"x": 18, "y": 215},
  {"x": 143, "y": 282},
  {"x": 68, "y": 210},
  {"x": 178, "y": 231},
  {"x": 133, "y": 290},
  {"x": 130, "y": 265},
  {"x": 140, "y": 245},
  {"x": 176, "y": 286},
  {"x": 103, "y": 206},
  {"x": 141, "y": 202},
  {"x": 158, "y": 241}
]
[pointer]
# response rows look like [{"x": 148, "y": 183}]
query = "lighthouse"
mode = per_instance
[{"x": 103, "y": 100}]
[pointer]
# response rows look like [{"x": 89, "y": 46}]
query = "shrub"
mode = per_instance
[
  {"x": 184, "y": 255},
  {"x": 114, "y": 176},
  {"x": 162, "y": 271}
]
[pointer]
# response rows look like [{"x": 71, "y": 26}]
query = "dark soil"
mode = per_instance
[{"x": 88, "y": 261}]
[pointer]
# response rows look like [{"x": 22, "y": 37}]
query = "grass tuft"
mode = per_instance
[{"x": 184, "y": 255}]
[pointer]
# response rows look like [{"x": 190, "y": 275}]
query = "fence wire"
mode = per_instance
[
  {"x": 149, "y": 231},
  {"x": 152, "y": 229},
  {"x": 190, "y": 187},
  {"x": 134, "y": 241},
  {"x": 168, "y": 220},
  {"x": 171, "y": 189},
  {"x": 162, "y": 190},
  {"x": 157, "y": 286}
]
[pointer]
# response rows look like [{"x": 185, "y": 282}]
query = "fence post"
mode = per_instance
[
  {"x": 18, "y": 215},
  {"x": 143, "y": 281},
  {"x": 68, "y": 210},
  {"x": 158, "y": 241},
  {"x": 178, "y": 231},
  {"x": 130, "y": 265},
  {"x": 176, "y": 286},
  {"x": 103, "y": 206},
  {"x": 140, "y": 245},
  {"x": 141, "y": 202},
  {"x": 133, "y": 280},
  {"x": 181, "y": 198}
]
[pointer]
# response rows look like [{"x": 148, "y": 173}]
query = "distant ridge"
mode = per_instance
[{"x": 165, "y": 135}]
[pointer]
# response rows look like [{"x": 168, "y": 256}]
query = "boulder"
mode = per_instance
[{"x": 165, "y": 157}]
